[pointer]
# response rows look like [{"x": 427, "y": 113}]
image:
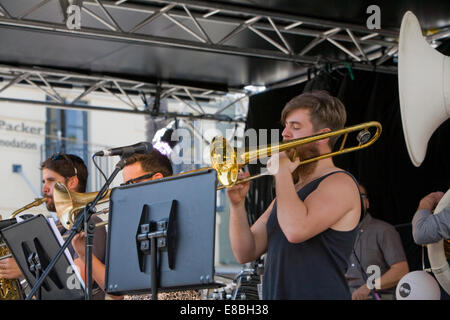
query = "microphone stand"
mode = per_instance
[{"x": 76, "y": 228}]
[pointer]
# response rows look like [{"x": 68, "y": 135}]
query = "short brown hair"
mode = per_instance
[
  {"x": 68, "y": 165},
  {"x": 152, "y": 162},
  {"x": 325, "y": 111}
]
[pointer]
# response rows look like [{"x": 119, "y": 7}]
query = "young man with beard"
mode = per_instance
[
  {"x": 70, "y": 170},
  {"x": 309, "y": 229}
]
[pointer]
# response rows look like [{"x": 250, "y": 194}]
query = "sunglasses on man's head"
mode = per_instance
[
  {"x": 139, "y": 179},
  {"x": 63, "y": 156}
]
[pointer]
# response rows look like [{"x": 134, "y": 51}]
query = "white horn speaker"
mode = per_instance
[{"x": 424, "y": 87}]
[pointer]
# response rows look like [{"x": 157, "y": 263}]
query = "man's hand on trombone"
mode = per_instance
[
  {"x": 237, "y": 193},
  {"x": 280, "y": 162}
]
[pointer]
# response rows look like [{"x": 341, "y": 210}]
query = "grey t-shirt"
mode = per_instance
[
  {"x": 429, "y": 228},
  {"x": 377, "y": 243}
]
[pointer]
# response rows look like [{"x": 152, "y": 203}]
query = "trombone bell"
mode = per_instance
[
  {"x": 226, "y": 161},
  {"x": 68, "y": 204}
]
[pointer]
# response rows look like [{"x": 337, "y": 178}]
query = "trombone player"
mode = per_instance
[
  {"x": 309, "y": 229},
  {"x": 70, "y": 170}
]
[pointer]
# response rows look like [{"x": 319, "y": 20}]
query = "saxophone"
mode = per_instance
[{"x": 10, "y": 289}]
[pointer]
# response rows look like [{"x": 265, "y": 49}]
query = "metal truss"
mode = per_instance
[
  {"x": 139, "y": 97},
  {"x": 363, "y": 47}
]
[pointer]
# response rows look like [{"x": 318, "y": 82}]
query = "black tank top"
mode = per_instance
[{"x": 313, "y": 269}]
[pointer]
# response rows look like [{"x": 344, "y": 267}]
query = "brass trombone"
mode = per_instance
[
  {"x": 226, "y": 161},
  {"x": 68, "y": 204}
]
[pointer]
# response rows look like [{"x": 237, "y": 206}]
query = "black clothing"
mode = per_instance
[{"x": 313, "y": 269}]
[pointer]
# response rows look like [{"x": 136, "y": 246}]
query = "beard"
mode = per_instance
[
  {"x": 304, "y": 152},
  {"x": 50, "y": 204}
]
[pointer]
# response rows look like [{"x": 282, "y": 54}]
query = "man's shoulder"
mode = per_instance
[
  {"x": 339, "y": 182},
  {"x": 382, "y": 226},
  {"x": 339, "y": 175},
  {"x": 380, "y": 223}
]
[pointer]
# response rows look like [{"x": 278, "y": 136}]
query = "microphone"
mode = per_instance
[{"x": 141, "y": 147}]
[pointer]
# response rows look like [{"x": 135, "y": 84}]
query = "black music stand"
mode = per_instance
[
  {"x": 167, "y": 225},
  {"x": 33, "y": 243}
]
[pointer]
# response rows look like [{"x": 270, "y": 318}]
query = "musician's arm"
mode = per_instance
[
  {"x": 98, "y": 268},
  {"x": 429, "y": 228},
  {"x": 334, "y": 198},
  {"x": 9, "y": 269},
  {"x": 248, "y": 243}
]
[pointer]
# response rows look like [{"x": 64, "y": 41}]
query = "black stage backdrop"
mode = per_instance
[{"x": 395, "y": 186}]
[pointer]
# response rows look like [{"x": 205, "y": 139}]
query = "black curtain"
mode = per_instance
[{"x": 395, "y": 186}]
